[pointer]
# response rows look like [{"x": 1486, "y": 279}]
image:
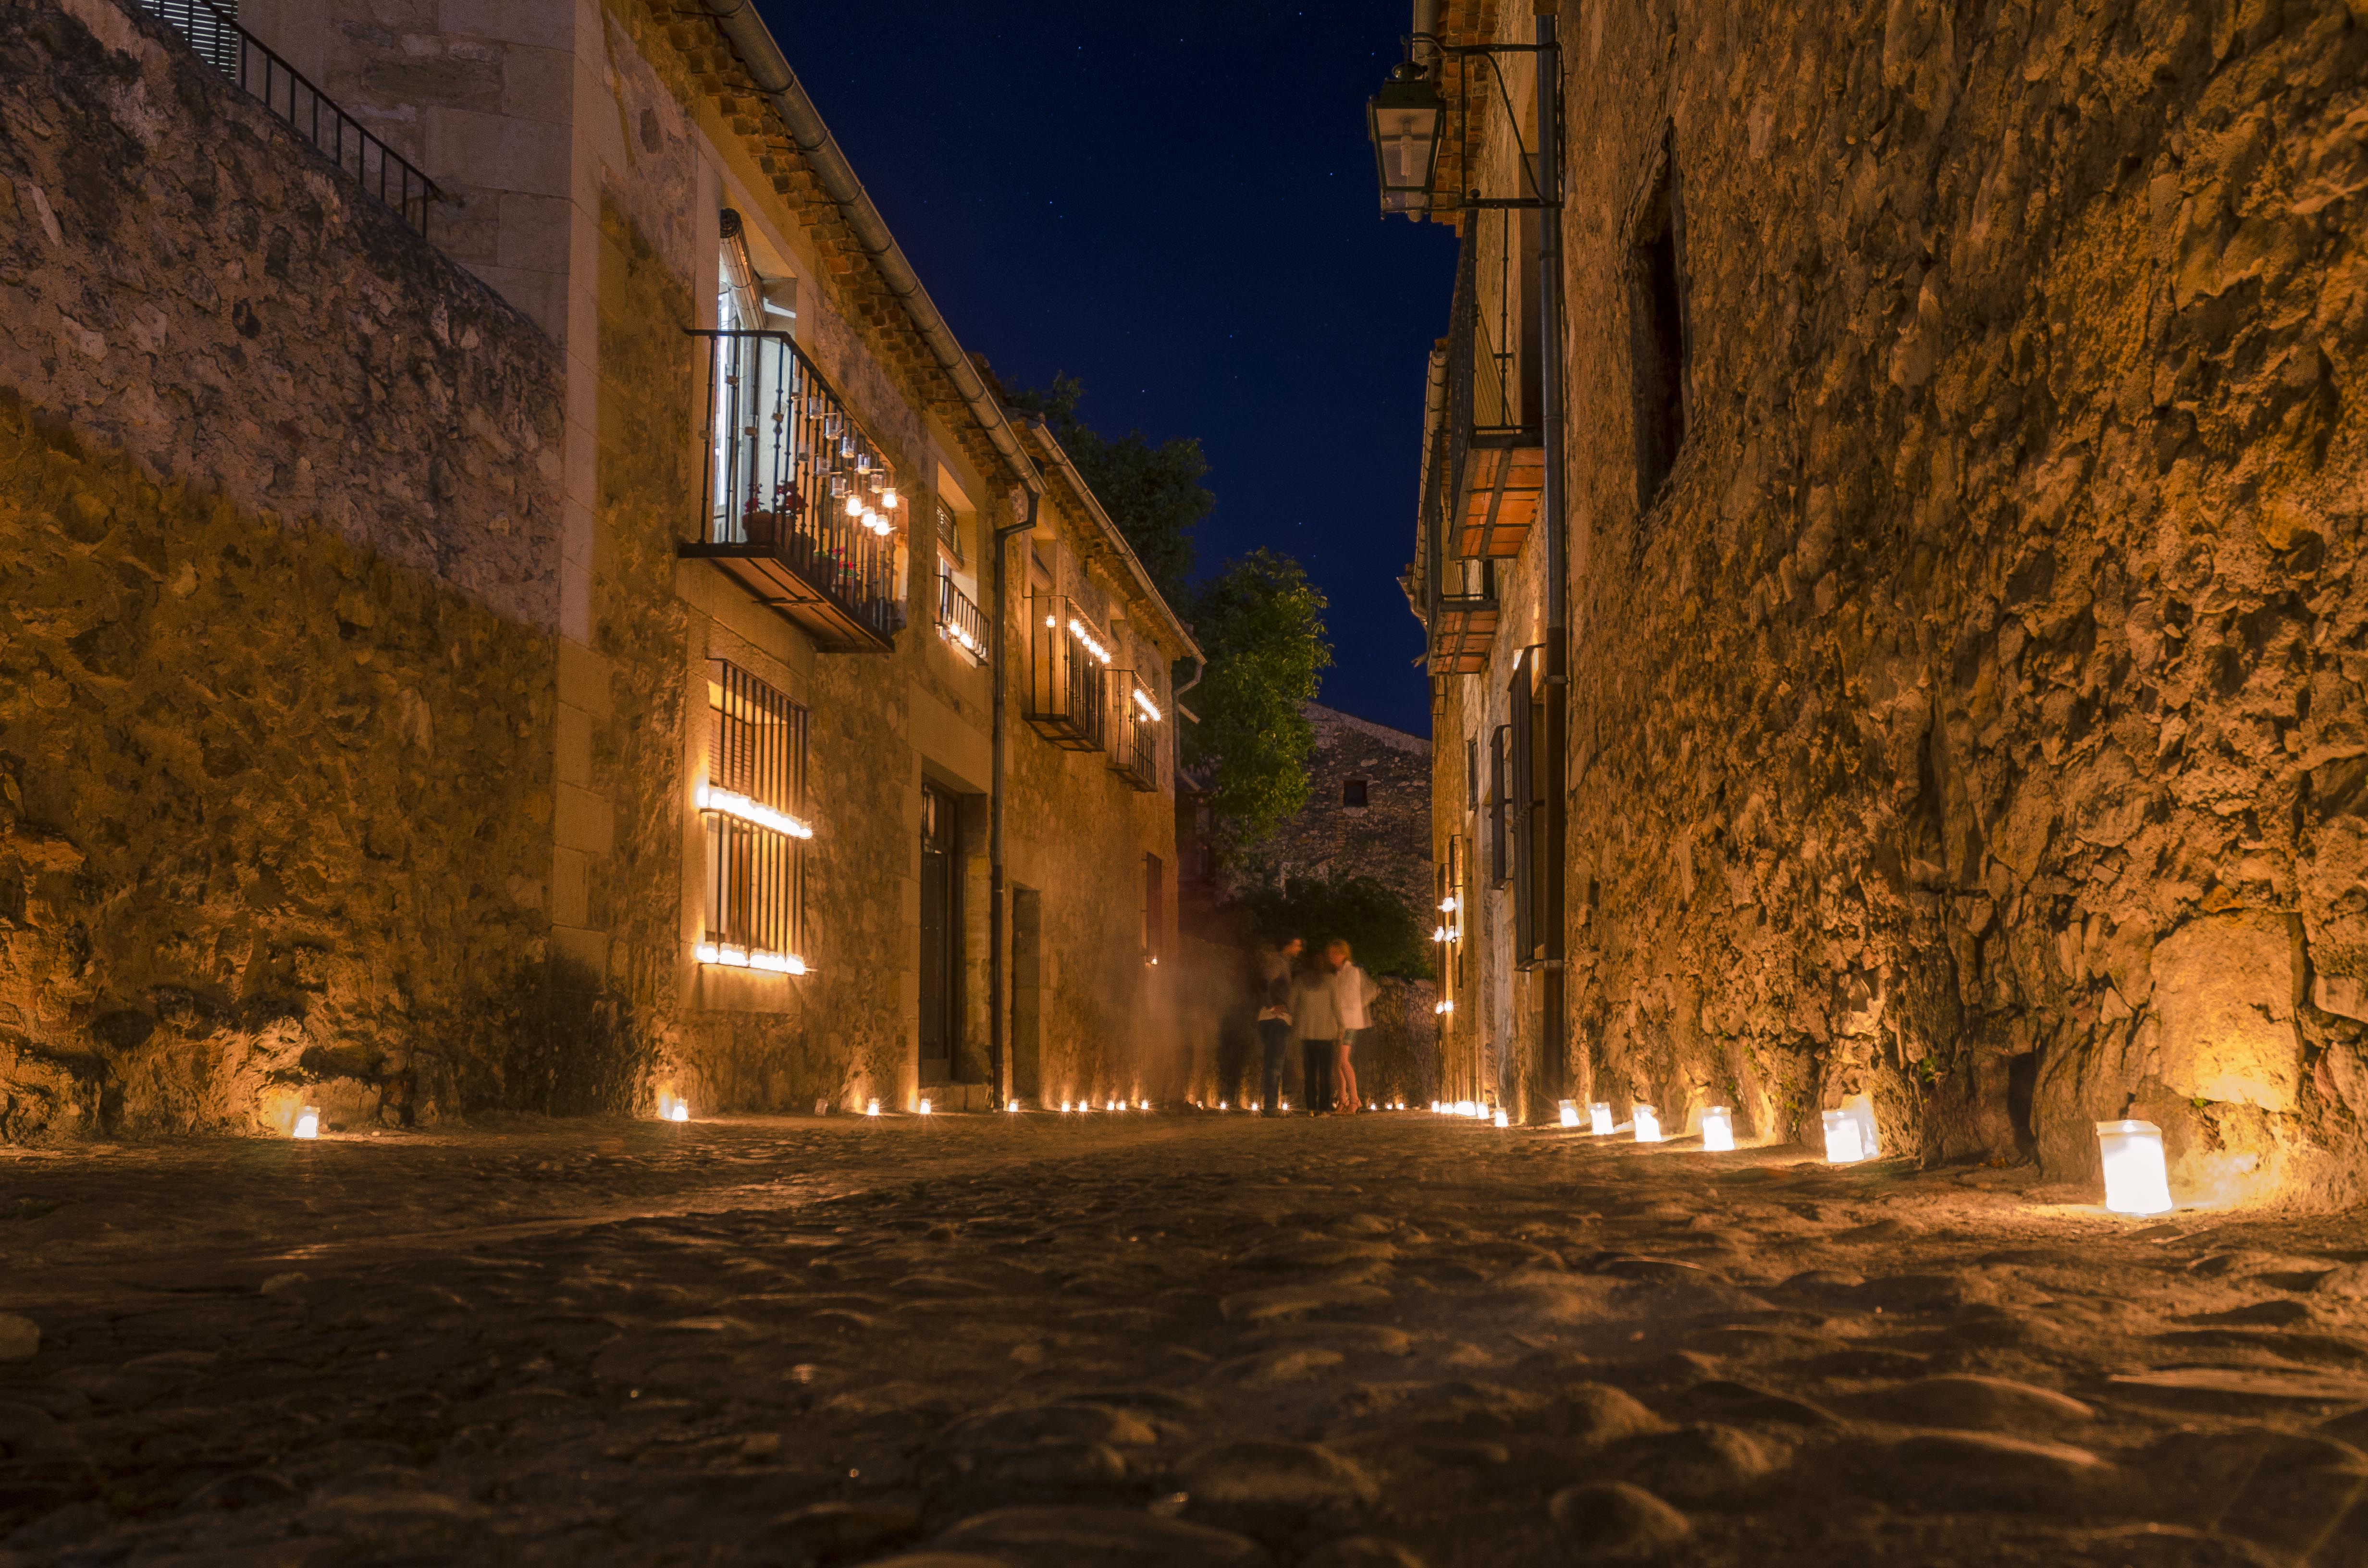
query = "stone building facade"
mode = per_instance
[
  {"x": 1963, "y": 497},
  {"x": 1367, "y": 811},
  {"x": 422, "y": 655}
]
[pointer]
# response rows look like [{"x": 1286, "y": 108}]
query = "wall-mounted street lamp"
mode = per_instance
[{"x": 1404, "y": 120}]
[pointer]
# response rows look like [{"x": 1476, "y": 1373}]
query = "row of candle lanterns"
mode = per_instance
[{"x": 2137, "y": 1178}]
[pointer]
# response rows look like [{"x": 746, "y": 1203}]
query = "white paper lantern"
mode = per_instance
[
  {"x": 871, "y": 1108},
  {"x": 1648, "y": 1125},
  {"x": 308, "y": 1122},
  {"x": 1845, "y": 1141},
  {"x": 1599, "y": 1116},
  {"x": 2137, "y": 1180},
  {"x": 925, "y": 1107},
  {"x": 1718, "y": 1128},
  {"x": 1570, "y": 1113},
  {"x": 1501, "y": 1120},
  {"x": 678, "y": 1111}
]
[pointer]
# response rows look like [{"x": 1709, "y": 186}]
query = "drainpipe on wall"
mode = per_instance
[
  {"x": 1552, "y": 506},
  {"x": 998, "y": 1013}
]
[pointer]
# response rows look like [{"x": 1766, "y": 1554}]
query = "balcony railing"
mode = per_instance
[
  {"x": 1495, "y": 447},
  {"x": 960, "y": 620},
  {"x": 1137, "y": 726},
  {"x": 799, "y": 505},
  {"x": 336, "y": 135},
  {"x": 1067, "y": 675}
]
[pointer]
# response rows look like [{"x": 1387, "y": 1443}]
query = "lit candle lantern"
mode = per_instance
[
  {"x": 1718, "y": 1128},
  {"x": 678, "y": 1111},
  {"x": 1570, "y": 1113},
  {"x": 872, "y": 1108},
  {"x": 1463, "y": 1108},
  {"x": 308, "y": 1124},
  {"x": 1064, "y": 1106},
  {"x": 1225, "y": 1105},
  {"x": 2137, "y": 1179},
  {"x": 1844, "y": 1144},
  {"x": 1143, "y": 1105},
  {"x": 1286, "y": 1105},
  {"x": 925, "y": 1107},
  {"x": 1600, "y": 1118},
  {"x": 1501, "y": 1120},
  {"x": 1648, "y": 1125},
  {"x": 1012, "y": 1106}
]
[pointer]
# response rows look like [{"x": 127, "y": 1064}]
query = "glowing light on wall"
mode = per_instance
[
  {"x": 2137, "y": 1180},
  {"x": 1078, "y": 629},
  {"x": 1599, "y": 1119},
  {"x": 1150, "y": 709},
  {"x": 308, "y": 1124},
  {"x": 1648, "y": 1125},
  {"x": 731, "y": 803},
  {"x": 1718, "y": 1130},
  {"x": 728, "y": 957},
  {"x": 1447, "y": 906}
]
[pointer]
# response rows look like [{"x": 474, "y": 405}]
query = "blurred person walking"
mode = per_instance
[
  {"x": 1315, "y": 1019},
  {"x": 1351, "y": 990},
  {"x": 1274, "y": 966}
]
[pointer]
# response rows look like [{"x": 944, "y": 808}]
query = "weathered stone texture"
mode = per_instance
[
  {"x": 275, "y": 502},
  {"x": 1977, "y": 718},
  {"x": 1387, "y": 838},
  {"x": 187, "y": 281}
]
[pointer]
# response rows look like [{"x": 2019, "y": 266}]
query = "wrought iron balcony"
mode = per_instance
[
  {"x": 960, "y": 620},
  {"x": 800, "y": 506},
  {"x": 1068, "y": 675},
  {"x": 1463, "y": 618},
  {"x": 1138, "y": 725},
  {"x": 336, "y": 135},
  {"x": 1496, "y": 442}
]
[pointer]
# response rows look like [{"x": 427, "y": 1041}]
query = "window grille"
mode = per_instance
[
  {"x": 1135, "y": 739},
  {"x": 753, "y": 803},
  {"x": 950, "y": 532}
]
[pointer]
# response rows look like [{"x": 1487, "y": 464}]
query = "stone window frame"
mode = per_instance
[{"x": 1660, "y": 330}]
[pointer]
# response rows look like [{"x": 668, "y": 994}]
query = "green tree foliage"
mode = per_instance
[
  {"x": 1152, "y": 493},
  {"x": 1262, "y": 623},
  {"x": 1382, "y": 933}
]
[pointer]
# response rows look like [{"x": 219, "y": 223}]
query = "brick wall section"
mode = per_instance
[
  {"x": 1978, "y": 717},
  {"x": 275, "y": 691}
]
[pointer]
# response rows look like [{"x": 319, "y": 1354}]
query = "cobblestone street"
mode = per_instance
[{"x": 1162, "y": 1341}]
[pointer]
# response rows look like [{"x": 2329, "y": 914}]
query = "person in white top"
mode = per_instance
[{"x": 1350, "y": 991}]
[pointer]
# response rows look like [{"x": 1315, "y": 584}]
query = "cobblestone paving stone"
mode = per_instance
[{"x": 1162, "y": 1341}]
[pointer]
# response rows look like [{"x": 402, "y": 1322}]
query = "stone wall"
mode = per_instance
[
  {"x": 276, "y": 495},
  {"x": 1387, "y": 839},
  {"x": 1976, "y": 719}
]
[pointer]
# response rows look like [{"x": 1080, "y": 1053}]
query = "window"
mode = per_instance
[
  {"x": 1658, "y": 333},
  {"x": 1500, "y": 869},
  {"x": 1471, "y": 775},
  {"x": 1352, "y": 794},
  {"x": 948, "y": 532},
  {"x": 1517, "y": 770},
  {"x": 753, "y": 802},
  {"x": 1155, "y": 909}
]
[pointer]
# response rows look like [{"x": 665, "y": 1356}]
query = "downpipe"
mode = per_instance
[{"x": 1552, "y": 505}]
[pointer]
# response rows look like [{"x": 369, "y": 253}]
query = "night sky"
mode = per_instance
[{"x": 1181, "y": 213}]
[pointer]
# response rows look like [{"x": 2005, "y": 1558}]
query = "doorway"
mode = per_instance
[{"x": 941, "y": 929}]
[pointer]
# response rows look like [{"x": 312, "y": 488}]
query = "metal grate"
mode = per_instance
[
  {"x": 948, "y": 531},
  {"x": 755, "y": 871},
  {"x": 214, "y": 32}
]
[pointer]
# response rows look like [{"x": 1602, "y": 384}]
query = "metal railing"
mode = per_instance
[
  {"x": 791, "y": 475},
  {"x": 1134, "y": 743},
  {"x": 1067, "y": 680},
  {"x": 230, "y": 49},
  {"x": 960, "y": 620}
]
